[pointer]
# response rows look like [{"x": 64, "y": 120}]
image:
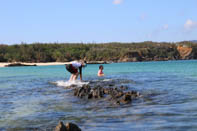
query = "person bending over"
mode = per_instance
[
  {"x": 100, "y": 72},
  {"x": 75, "y": 68}
]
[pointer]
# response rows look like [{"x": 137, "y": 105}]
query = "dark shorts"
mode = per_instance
[{"x": 71, "y": 69}]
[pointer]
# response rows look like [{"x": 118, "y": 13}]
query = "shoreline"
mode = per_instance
[{"x": 3, "y": 64}]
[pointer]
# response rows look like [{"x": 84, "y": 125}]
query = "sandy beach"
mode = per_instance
[{"x": 3, "y": 64}]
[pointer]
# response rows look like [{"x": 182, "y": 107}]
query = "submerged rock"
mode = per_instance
[
  {"x": 68, "y": 127},
  {"x": 72, "y": 127},
  {"x": 60, "y": 127},
  {"x": 126, "y": 99}
]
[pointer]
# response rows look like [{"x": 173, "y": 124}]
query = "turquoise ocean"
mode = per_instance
[{"x": 37, "y": 98}]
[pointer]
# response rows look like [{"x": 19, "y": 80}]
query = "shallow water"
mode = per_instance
[{"x": 30, "y": 100}]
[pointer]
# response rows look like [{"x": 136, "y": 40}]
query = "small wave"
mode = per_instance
[
  {"x": 107, "y": 80},
  {"x": 101, "y": 80},
  {"x": 70, "y": 83}
]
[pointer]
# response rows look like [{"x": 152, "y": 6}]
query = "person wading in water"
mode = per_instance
[
  {"x": 100, "y": 72},
  {"x": 75, "y": 68}
]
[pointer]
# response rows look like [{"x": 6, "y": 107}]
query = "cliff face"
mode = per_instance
[
  {"x": 185, "y": 52},
  {"x": 132, "y": 56}
]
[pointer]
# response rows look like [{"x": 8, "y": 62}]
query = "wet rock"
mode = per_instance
[
  {"x": 126, "y": 99},
  {"x": 90, "y": 96},
  {"x": 111, "y": 84},
  {"x": 118, "y": 95},
  {"x": 123, "y": 87},
  {"x": 60, "y": 127},
  {"x": 75, "y": 92},
  {"x": 106, "y": 90},
  {"x": 97, "y": 92},
  {"x": 134, "y": 94},
  {"x": 86, "y": 91},
  {"x": 82, "y": 91},
  {"x": 68, "y": 127},
  {"x": 72, "y": 127},
  {"x": 117, "y": 102}
]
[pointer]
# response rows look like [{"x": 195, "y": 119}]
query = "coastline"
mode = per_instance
[{"x": 3, "y": 64}]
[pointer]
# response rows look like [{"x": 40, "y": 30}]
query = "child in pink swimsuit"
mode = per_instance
[{"x": 100, "y": 72}]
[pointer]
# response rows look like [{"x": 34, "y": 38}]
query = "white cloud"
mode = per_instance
[
  {"x": 165, "y": 27},
  {"x": 117, "y": 2},
  {"x": 190, "y": 25}
]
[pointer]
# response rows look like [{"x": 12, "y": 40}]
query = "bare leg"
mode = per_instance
[
  {"x": 71, "y": 77},
  {"x": 75, "y": 76}
]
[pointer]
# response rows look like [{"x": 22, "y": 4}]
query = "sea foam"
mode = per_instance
[{"x": 70, "y": 83}]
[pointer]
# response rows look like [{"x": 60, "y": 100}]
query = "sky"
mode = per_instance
[{"x": 97, "y": 21}]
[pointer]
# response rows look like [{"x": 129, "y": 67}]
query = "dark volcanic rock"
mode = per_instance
[
  {"x": 87, "y": 92},
  {"x": 72, "y": 127},
  {"x": 117, "y": 94},
  {"x": 68, "y": 127},
  {"x": 60, "y": 127},
  {"x": 126, "y": 99},
  {"x": 19, "y": 64},
  {"x": 98, "y": 62}
]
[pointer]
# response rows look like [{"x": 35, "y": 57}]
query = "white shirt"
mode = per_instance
[{"x": 76, "y": 64}]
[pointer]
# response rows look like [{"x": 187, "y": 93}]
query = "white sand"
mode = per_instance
[{"x": 38, "y": 64}]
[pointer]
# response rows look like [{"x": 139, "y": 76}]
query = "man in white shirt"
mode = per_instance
[{"x": 73, "y": 68}]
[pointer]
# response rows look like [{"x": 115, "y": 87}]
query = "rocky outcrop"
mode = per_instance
[
  {"x": 106, "y": 91},
  {"x": 133, "y": 56},
  {"x": 19, "y": 64},
  {"x": 98, "y": 62},
  {"x": 67, "y": 127},
  {"x": 117, "y": 95},
  {"x": 184, "y": 51},
  {"x": 60, "y": 127}
]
